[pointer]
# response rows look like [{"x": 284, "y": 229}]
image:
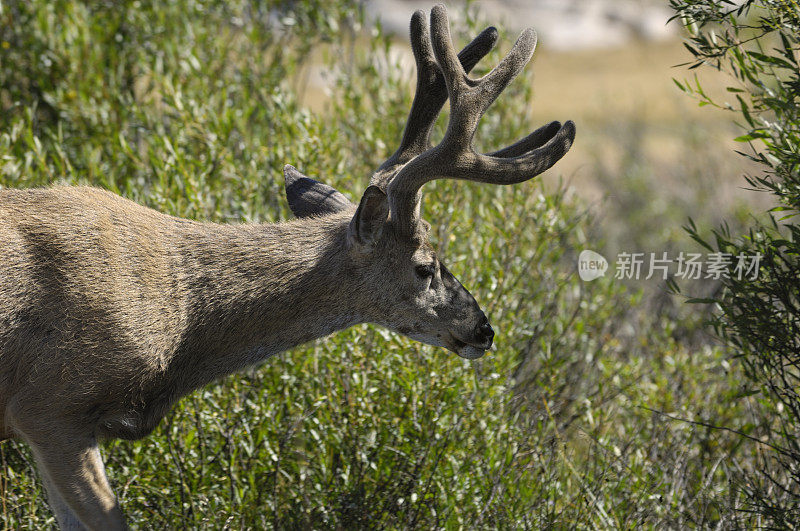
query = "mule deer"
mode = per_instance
[{"x": 110, "y": 312}]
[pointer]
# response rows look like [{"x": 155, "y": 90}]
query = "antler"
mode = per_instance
[
  {"x": 430, "y": 95},
  {"x": 454, "y": 157}
]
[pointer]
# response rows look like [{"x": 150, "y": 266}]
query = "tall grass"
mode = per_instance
[{"x": 191, "y": 107}]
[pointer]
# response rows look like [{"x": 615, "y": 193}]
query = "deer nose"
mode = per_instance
[{"x": 484, "y": 332}]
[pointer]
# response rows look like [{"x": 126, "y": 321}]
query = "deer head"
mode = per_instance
[{"x": 410, "y": 290}]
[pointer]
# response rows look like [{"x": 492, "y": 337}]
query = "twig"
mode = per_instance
[{"x": 713, "y": 427}]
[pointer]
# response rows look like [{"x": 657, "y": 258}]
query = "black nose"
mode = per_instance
[{"x": 484, "y": 332}]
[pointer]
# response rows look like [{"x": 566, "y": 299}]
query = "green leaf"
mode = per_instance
[
  {"x": 700, "y": 300},
  {"x": 770, "y": 59}
]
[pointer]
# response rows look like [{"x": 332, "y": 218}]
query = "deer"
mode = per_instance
[{"x": 110, "y": 312}]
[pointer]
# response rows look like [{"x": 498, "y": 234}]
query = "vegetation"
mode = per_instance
[
  {"x": 758, "y": 44},
  {"x": 193, "y": 107}
]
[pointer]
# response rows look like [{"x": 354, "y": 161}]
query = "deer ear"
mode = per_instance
[
  {"x": 373, "y": 211},
  {"x": 308, "y": 197}
]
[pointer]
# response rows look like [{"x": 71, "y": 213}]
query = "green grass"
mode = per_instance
[{"x": 192, "y": 108}]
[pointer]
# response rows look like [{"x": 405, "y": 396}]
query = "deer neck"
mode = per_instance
[{"x": 256, "y": 290}]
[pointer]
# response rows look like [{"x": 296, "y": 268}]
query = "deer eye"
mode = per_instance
[{"x": 425, "y": 271}]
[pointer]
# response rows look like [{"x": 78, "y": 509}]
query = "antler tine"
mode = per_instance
[
  {"x": 471, "y": 104},
  {"x": 534, "y": 140},
  {"x": 454, "y": 157},
  {"x": 430, "y": 95}
]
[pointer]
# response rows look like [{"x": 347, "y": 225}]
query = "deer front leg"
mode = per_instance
[
  {"x": 72, "y": 471},
  {"x": 76, "y": 483},
  {"x": 67, "y": 520}
]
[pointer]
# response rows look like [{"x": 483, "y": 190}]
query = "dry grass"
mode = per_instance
[{"x": 606, "y": 91}]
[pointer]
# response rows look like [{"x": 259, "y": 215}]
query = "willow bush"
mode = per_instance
[{"x": 757, "y": 44}]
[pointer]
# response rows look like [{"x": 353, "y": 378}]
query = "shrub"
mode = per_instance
[{"x": 757, "y": 43}]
